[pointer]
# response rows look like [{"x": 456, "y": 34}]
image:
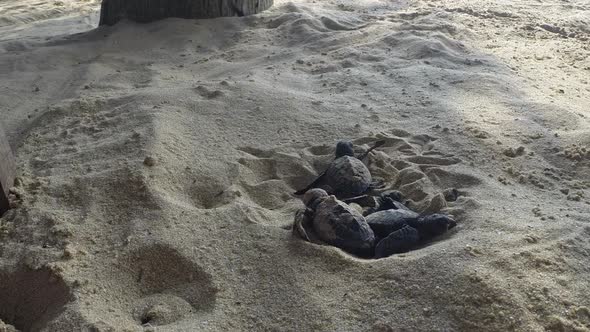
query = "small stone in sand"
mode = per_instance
[
  {"x": 149, "y": 161},
  {"x": 512, "y": 153},
  {"x": 451, "y": 194},
  {"x": 576, "y": 197}
]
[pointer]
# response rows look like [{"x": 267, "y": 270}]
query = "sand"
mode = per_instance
[{"x": 156, "y": 165}]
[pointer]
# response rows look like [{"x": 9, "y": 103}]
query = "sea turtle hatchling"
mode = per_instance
[
  {"x": 399, "y": 230},
  {"x": 346, "y": 175},
  {"x": 330, "y": 220},
  {"x": 432, "y": 225},
  {"x": 327, "y": 220},
  {"x": 429, "y": 225},
  {"x": 402, "y": 240},
  {"x": 386, "y": 222}
]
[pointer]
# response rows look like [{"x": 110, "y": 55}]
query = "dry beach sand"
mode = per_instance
[{"x": 156, "y": 165}]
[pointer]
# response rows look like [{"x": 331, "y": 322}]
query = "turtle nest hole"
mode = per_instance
[{"x": 29, "y": 299}]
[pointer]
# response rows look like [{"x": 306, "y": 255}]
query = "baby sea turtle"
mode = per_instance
[
  {"x": 388, "y": 225},
  {"x": 386, "y": 222},
  {"x": 330, "y": 220},
  {"x": 402, "y": 240},
  {"x": 432, "y": 225},
  {"x": 347, "y": 175},
  {"x": 429, "y": 225},
  {"x": 326, "y": 219}
]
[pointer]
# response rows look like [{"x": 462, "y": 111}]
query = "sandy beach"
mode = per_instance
[{"x": 157, "y": 164}]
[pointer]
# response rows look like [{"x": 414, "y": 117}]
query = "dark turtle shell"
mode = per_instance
[
  {"x": 338, "y": 224},
  {"x": 432, "y": 225},
  {"x": 385, "y": 222},
  {"x": 402, "y": 240},
  {"x": 348, "y": 176}
]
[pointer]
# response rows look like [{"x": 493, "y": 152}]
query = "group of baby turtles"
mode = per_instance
[{"x": 385, "y": 225}]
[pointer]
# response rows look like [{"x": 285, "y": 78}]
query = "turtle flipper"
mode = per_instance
[
  {"x": 387, "y": 201},
  {"x": 366, "y": 153},
  {"x": 362, "y": 200},
  {"x": 312, "y": 185},
  {"x": 391, "y": 195},
  {"x": 300, "y": 224},
  {"x": 303, "y": 226},
  {"x": 397, "y": 242},
  {"x": 377, "y": 184}
]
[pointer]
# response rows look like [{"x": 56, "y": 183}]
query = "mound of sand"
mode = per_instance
[{"x": 157, "y": 162}]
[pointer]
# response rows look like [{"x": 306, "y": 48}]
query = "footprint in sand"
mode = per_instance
[
  {"x": 269, "y": 177},
  {"x": 208, "y": 93},
  {"x": 209, "y": 192},
  {"x": 170, "y": 285}
]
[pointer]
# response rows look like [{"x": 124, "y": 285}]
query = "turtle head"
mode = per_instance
[
  {"x": 389, "y": 197},
  {"x": 344, "y": 148},
  {"x": 444, "y": 219},
  {"x": 438, "y": 223},
  {"x": 396, "y": 195},
  {"x": 313, "y": 197}
]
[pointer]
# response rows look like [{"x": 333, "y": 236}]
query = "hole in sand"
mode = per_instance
[
  {"x": 160, "y": 269},
  {"x": 209, "y": 193},
  {"x": 400, "y": 232},
  {"x": 30, "y": 299},
  {"x": 161, "y": 309}
]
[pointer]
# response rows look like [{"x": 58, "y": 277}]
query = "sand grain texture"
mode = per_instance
[{"x": 156, "y": 165}]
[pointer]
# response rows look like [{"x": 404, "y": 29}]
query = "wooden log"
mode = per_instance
[
  {"x": 7, "y": 171},
  {"x": 111, "y": 11}
]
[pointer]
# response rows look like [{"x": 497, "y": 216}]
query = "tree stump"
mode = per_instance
[
  {"x": 7, "y": 171},
  {"x": 111, "y": 11}
]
